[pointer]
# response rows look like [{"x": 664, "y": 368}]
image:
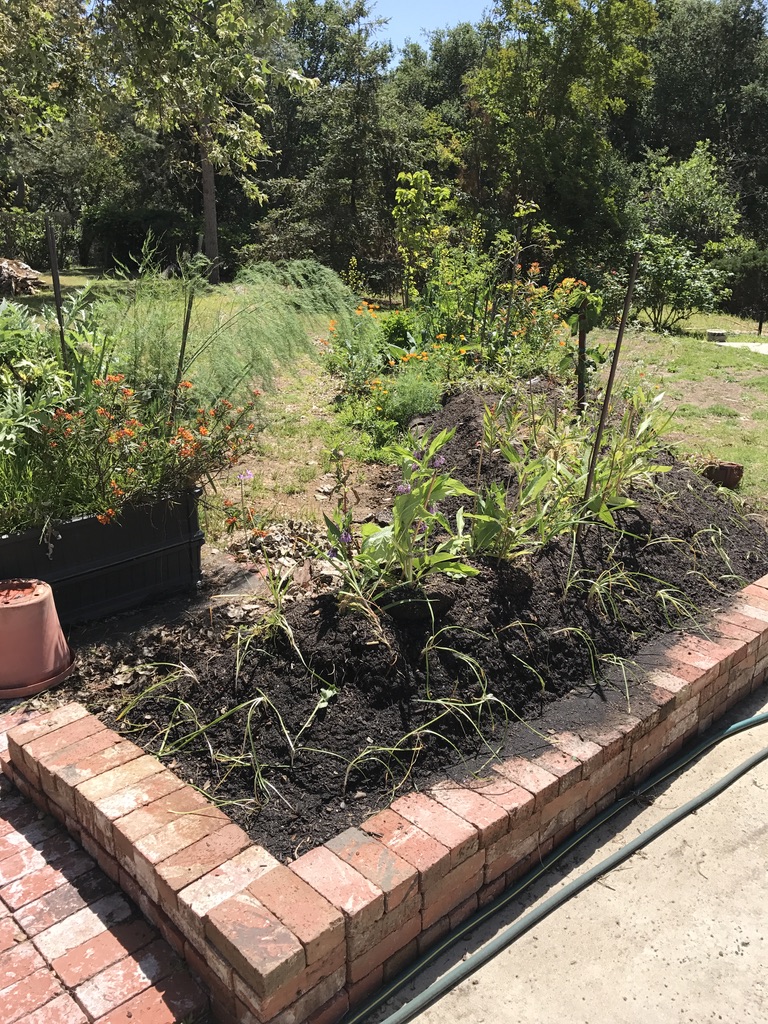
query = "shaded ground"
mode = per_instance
[{"x": 328, "y": 709}]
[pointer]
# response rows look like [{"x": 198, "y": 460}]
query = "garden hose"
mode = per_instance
[{"x": 505, "y": 938}]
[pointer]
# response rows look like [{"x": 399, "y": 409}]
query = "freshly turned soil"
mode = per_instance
[{"x": 550, "y": 658}]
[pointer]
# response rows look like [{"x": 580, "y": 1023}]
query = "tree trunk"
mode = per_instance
[{"x": 210, "y": 225}]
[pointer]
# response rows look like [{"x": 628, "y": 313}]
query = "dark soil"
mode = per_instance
[{"x": 413, "y": 683}]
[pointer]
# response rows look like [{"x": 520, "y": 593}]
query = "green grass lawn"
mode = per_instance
[{"x": 718, "y": 395}]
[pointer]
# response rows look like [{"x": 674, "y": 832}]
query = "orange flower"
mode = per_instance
[
  {"x": 106, "y": 517},
  {"x": 185, "y": 383},
  {"x": 204, "y": 431},
  {"x": 115, "y": 378}
]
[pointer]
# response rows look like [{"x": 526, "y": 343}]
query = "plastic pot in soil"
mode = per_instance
[{"x": 33, "y": 652}]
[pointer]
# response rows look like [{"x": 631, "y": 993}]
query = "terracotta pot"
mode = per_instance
[
  {"x": 725, "y": 474},
  {"x": 33, "y": 652}
]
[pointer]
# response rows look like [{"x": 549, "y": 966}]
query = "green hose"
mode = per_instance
[{"x": 505, "y": 938}]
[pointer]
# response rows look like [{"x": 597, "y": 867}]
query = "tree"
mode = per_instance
[
  {"x": 200, "y": 69},
  {"x": 543, "y": 104},
  {"x": 673, "y": 282}
]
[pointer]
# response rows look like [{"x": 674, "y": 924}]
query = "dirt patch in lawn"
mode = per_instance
[{"x": 338, "y": 707}]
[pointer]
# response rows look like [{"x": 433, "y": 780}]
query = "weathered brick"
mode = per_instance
[
  {"x": 196, "y": 860},
  {"x": 459, "y": 885},
  {"x": 360, "y": 900},
  {"x": 219, "y": 885},
  {"x": 47, "y": 878},
  {"x": 92, "y": 956},
  {"x": 68, "y": 777},
  {"x": 391, "y": 944},
  {"x": 396, "y": 878},
  {"x": 61, "y": 1010},
  {"x": 332, "y": 1011},
  {"x": 447, "y": 828},
  {"x": 362, "y": 941},
  {"x": 258, "y": 946},
  {"x": 313, "y": 1000},
  {"x": 18, "y": 1002},
  {"x": 541, "y": 784},
  {"x": 64, "y": 901},
  {"x": 566, "y": 768},
  {"x": 518, "y": 802},
  {"x": 360, "y": 991},
  {"x": 315, "y": 922},
  {"x": 57, "y": 940},
  {"x": 300, "y": 985},
  {"x": 463, "y": 912},
  {"x": 112, "y": 782},
  {"x": 607, "y": 777},
  {"x": 105, "y": 810},
  {"x": 511, "y": 848},
  {"x": 430, "y": 858},
  {"x": 123, "y": 980},
  {"x": 58, "y": 746},
  {"x": 19, "y": 962},
  {"x": 41, "y": 725},
  {"x": 177, "y": 998},
  {"x": 489, "y": 818}
]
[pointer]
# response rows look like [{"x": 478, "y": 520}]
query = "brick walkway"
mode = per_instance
[{"x": 73, "y": 948}]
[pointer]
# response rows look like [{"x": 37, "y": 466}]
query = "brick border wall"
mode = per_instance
[{"x": 305, "y": 942}]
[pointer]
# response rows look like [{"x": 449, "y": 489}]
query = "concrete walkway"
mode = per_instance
[
  {"x": 73, "y": 948},
  {"x": 678, "y": 934}
]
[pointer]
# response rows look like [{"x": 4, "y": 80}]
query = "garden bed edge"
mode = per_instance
[{"x": 278, "y": 944}]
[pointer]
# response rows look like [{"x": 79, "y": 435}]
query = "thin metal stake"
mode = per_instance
[
  {"x": 51, "y": 239},
  {"x": 609, "y": 388}
]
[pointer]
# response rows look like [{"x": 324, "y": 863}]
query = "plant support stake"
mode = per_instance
[
  {"x": 609, "y": 388},
  {"x": 50, "y": 237}
]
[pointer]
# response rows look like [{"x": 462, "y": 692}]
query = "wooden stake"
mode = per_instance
[
  {"x": 51, "y": 239},
  {"x": 609, "y": 388}
]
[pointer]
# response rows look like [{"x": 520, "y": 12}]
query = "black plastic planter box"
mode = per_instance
[{"x": 95, "y": 570}]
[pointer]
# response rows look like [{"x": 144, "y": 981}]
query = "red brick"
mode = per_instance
[
  {"x": 64, "y": 901},
  {"x": 732, "y": 623},
  {"x": 566, "y": 768},
  {"x": 102, "y": 812},
  {"x": 61, "y": 1010},
  {"x": 317, "y": 924},
  {"x": 430, "y": 858},
  {"x": 123, "y": 980},
  {"x": 19, "y": 962},
  {"x": 362, "y": 941},
  {"x": 360, "y": 900},
  {"x": 176, "y": 997},
  {"x": 396, "y": 878},
  {"x": 487, "y": 816},
  {"x": 431, "y": 936},
  {"x": 196, "y": 860},
  {"x": 87, "y": 959},
  {"x": 489, "y": 892},
  {"x": 36, "y": 884},
  {"x": 332, "y": 1011},
  {"x": 590, "y": 753},
  {"x": 459, "y": 885},
  {"x": 152, "y": 817},
  {"x": 69, "y": 777},
  {"x": 168, "y": 841},
  {"x": 302, "y": 986},
  {"x": 40, "y": 726},
  {"x": 543, "y": 785},
  {"x": 564, "y": 810},
  {"x": 393, "y": 965},
  {"x": 217, "y": 980},
  {"x": 258, "y": 946},
  {"x": 362, "y": 990},
  {"x": 607, "y": 777},
  {"x": 24, "y": 863},
  {"x": 313, "y": 1000},
  {"x": 219, "y": 885},
  {"x": 361, "y": 967},
  {"x": 11, "y": 719},
  {"x": 516, "y": 801},
  {"x": 443, "y": 825},
  {"x": 18, "y": 1001},
  {"x": 32, "y": 835},
  {"x": 463, "y": 912},
  {"x": 511, "y": 848},
  {"x": 10, "y": 934},
  {"x": 57, "y": 940},
  {"x": 754, "y": 609},
  {"x": 114, "y": 782},
  {"x": 60, "y": 746}
]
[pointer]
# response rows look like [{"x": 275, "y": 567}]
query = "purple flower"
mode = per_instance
[
  {"x": 332, "y": 553},
  {"x": 419, "y": 454},
  {"x": 438, "y": 462},
  {"x": 421, "y": 526},
  {"x": 403, "y": 489},
  {"x": 248, "y": 475},
  {"x": 345, "y": 537},
  {"x": 432, "y": 509}
]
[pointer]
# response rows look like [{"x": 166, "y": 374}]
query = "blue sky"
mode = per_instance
[{"x": 407, "y": 18}]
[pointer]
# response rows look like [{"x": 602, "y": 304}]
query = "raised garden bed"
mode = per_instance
[
  {"x": 96, "y": 569},
  {"x": 305, "y": 942}
]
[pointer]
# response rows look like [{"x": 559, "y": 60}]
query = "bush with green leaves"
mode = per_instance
[{"x": 672, "y": 282}]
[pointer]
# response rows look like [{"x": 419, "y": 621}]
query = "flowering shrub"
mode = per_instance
[{"x": 66, "y": 453}]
